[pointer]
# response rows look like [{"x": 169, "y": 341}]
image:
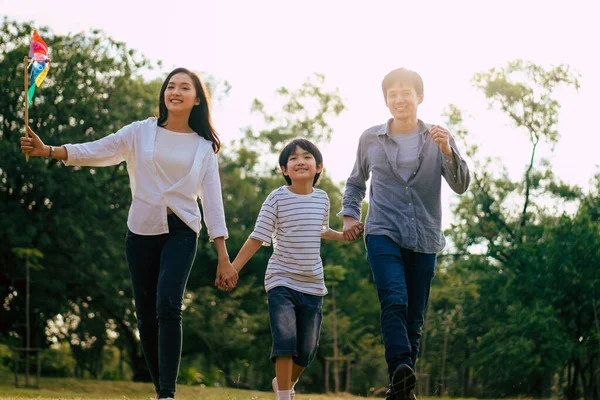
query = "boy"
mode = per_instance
[
  {"x": 405, "y": 160},
  {"x": 293, "y": 218}
]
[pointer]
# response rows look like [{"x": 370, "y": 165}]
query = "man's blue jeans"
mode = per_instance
[
  {"x": 160, "y": 266},
  {"x": 403, "y": 279}
]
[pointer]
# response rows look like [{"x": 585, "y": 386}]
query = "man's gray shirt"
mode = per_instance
[
  {"x": 408, "y": 151},
  {"x": 407, "y": 211}
]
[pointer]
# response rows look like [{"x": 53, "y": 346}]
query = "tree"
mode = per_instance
[
  {"x": 334, "y": 275},
  {"x": 533, "y": 310},
  {"x": 74, "y": 216}
]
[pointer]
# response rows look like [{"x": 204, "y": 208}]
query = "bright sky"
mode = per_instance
[{"x": 260, "y": 45}]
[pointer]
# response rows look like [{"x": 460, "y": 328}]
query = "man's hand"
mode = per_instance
[
  {"x": 441, "y": 137},
  {"x": 227, "y": 276},
  {"x": 353, "y": 229}
]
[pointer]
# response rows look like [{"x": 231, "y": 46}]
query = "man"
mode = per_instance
[{"x": 405, "y": 159}]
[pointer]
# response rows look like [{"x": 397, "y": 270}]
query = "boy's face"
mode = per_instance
[
  {"x": 301, "y": 166},
  {"x": 402, "y": 101}
]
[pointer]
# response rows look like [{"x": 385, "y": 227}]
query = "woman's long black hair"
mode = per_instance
[{"x": 200, "y": 120}]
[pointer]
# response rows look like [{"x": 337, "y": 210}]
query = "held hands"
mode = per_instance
[
  {"x": 227, "y": 275},
  {"x": 441, "y": 137},
  {"x": 353, "y": 229},
  {"x": 33, "y": 145}
]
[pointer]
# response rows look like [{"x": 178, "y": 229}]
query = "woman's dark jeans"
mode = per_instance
[{"x": 160, "y": 266}]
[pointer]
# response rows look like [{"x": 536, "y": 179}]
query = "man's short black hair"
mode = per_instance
[
  {"x": 304, "y": 144},
  {"x": 405, "y": 77}
]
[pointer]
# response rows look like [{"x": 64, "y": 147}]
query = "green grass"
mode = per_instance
[
  {"x": 81, "y": 389},
  {"x": 73, "y": 389}
]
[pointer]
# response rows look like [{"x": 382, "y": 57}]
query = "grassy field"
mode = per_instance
[{"x": 73, "y": 389}]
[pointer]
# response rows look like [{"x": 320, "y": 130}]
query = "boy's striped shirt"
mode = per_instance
[{"x": 293, "y": 224}]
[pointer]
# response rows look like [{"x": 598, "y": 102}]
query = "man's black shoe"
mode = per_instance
[{"x": 403, "y": 382}]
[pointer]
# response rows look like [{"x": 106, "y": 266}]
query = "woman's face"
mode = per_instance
[{"x": 180, "y": 94}]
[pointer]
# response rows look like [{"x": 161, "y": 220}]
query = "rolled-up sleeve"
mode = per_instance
[
  {"x": 110, "y": 150},
  {"x": 455, "y": 170},
  {"x": 356, "y": 185},
  {"x": 211, "y": 198}
]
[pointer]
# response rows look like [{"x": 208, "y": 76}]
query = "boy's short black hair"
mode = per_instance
[
  {"x": 290, "y": 148},
  {"x": 405, "y": 77}
]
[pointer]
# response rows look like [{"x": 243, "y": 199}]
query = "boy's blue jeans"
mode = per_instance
[
  {"x": 295, "y": 319},
  {"x": 403, "y": 279},
  {"x": 160, "y": 266}
]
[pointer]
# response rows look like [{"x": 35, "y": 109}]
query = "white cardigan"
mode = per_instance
[{"x": 134, "y": 144}]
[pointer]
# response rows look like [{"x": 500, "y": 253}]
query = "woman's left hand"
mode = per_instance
[{"x": 227, "y": 276}]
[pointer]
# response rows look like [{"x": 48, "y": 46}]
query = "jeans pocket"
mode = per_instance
[
  {"x": 377, "y": 244},
  {"x": 313, "y": 301}
]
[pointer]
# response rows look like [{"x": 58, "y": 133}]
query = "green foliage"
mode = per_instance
[
  {"x": 304, "y": 113},
  {"x": 6, "y": 360},
  {"x": 334, "y": 274},
  {"x": 75, "y": 217},
  {"x": 514, "y": 305},
  {"x": 58, "y": 361},
  {"x": 523, "y": 91},
  {"x": 517, "y": 291}
]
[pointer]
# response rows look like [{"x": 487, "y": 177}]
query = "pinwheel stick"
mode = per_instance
[{"x": 25, "y": 65}]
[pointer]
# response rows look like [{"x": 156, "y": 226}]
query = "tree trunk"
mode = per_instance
[
  {"x": 572, "y": 387},
  {"x": 121, "y": 373},
  {"x": 444, "y": 380},
  {"x": 336, "y": 369},
  {"x": 136, "y": 359},
  {"x": 467, "y": 372},
  {"x": 595, "y": 371},
  {"x": 425, "y": 325}
]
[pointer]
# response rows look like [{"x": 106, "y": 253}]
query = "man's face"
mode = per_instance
[{"x": 402, "y": 101}]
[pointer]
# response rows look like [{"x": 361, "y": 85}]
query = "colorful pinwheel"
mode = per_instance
[{"x": 39, "y": 62}]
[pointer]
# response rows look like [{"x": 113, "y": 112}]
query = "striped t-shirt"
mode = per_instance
[{"x": 293, "y": 223}]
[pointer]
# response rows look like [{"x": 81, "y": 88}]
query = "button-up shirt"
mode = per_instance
[{"x": 407, "y": 211}]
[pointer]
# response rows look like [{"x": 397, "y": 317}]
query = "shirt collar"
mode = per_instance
[{"x": 385, "y": 128}]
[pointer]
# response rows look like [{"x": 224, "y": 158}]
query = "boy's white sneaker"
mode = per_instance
[{"x": 276, "y": 388}]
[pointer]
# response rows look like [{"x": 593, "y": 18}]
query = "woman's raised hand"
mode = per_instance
[{"x": 34, "y": 145}]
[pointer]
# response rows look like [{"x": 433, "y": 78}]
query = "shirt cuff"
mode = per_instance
[
  {"x": 218, "y": 233},
  {"x": 449, "y": 160},
  {"x": 350, "y": 213},
  {"x": 71, "y": 155}
]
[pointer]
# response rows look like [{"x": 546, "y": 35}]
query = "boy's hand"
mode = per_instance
[
  {"x": 353, "y": 229},
  {"x": 227, "y": 276}
]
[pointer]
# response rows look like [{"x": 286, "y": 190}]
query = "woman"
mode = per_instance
[{"x": 171, "y": 162}]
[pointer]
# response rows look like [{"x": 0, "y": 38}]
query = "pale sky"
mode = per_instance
[{"x": 259, "y": 46}]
